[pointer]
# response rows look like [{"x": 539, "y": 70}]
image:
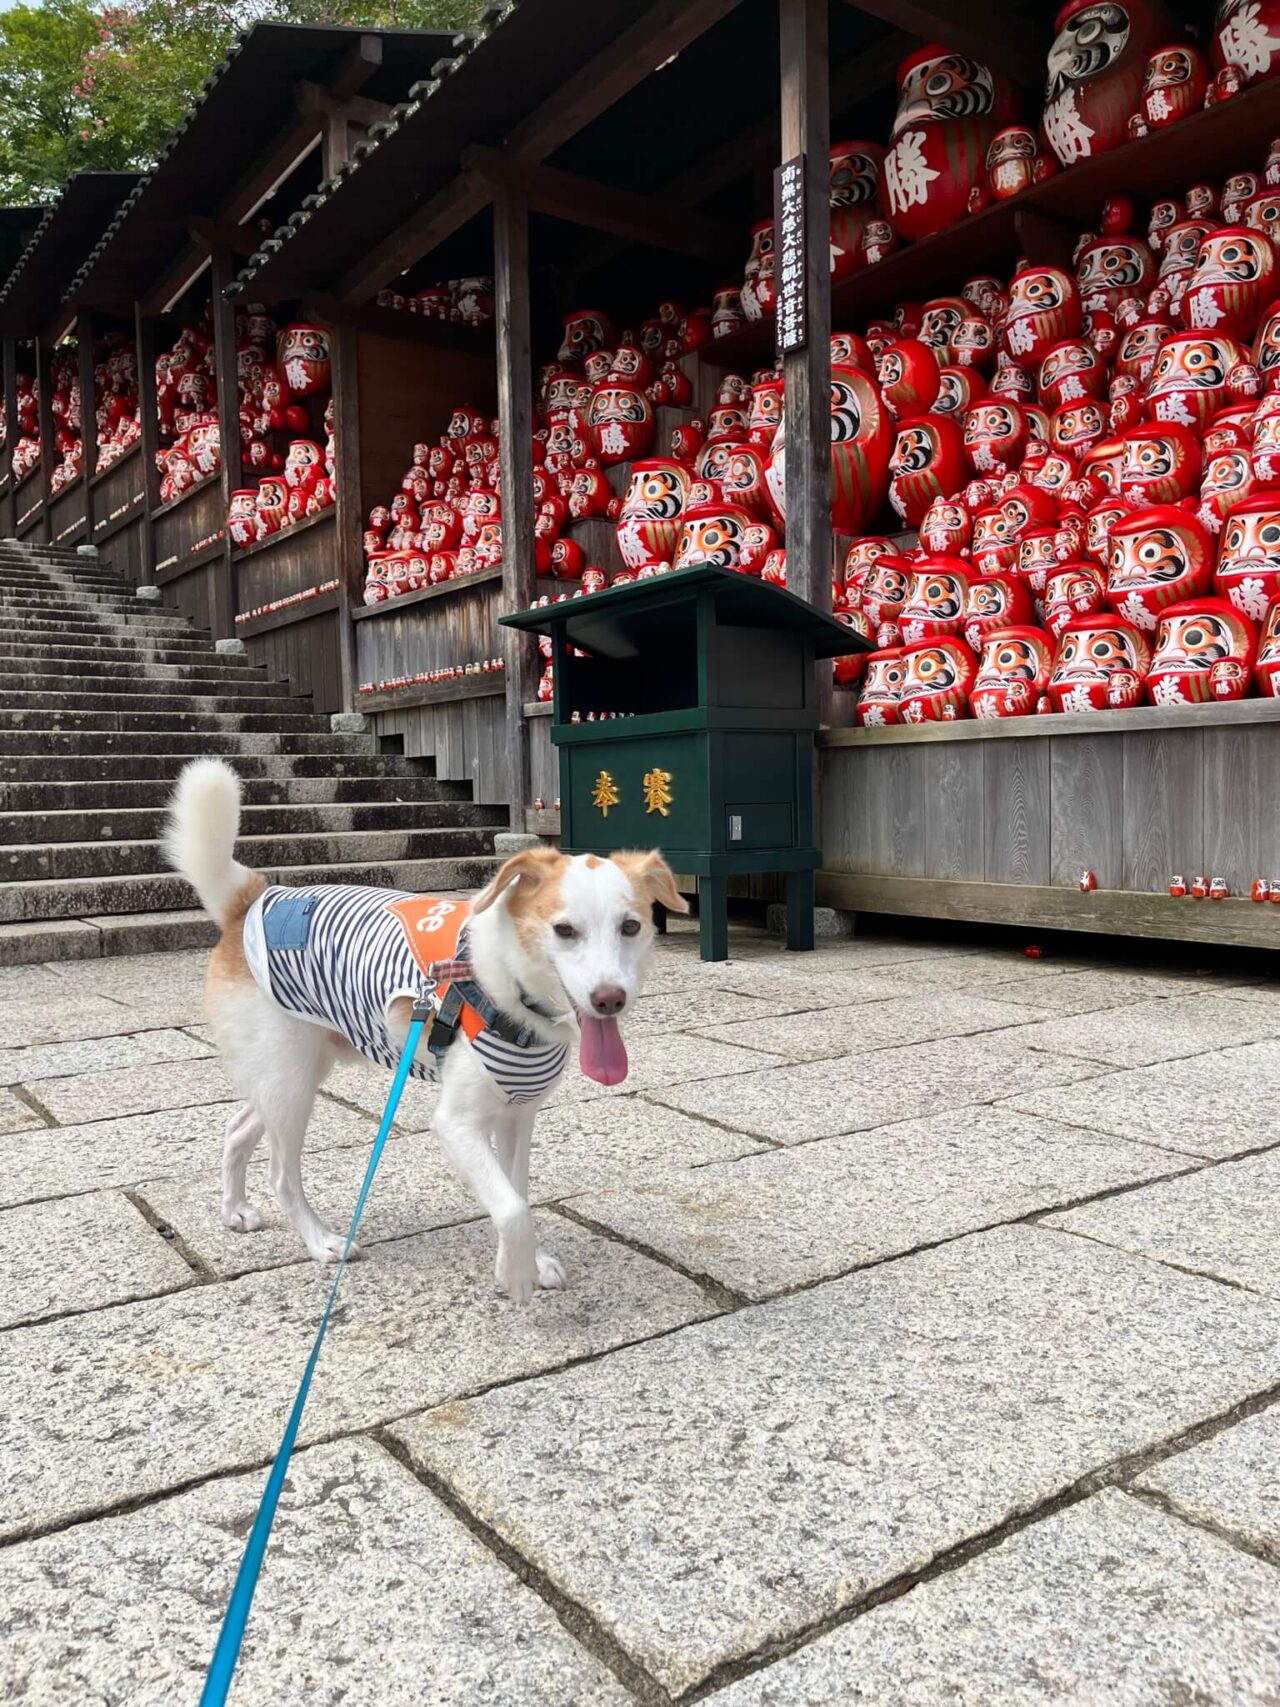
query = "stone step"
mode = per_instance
[
  {"x": 93, "y": 939},
  {"x": 162, "y": 764},
  {"x": 112, "y": 607},
  {"x": 142, "y": 628},
  {"x": 106, "y": 859},
  {"x": 57, "y": 703},
  {"x": 44, "y": 800},
  {"x": 111, "y": 648},
  {"x": 100, "y": 826},
  {"x": 38, "y": 743},
  {"x": 48, "y": 714},
  {"x": 74, "y": 680},
  {"x": 87, "y": 897}
]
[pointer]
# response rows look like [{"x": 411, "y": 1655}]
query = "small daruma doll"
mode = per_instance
[
  {"x": 1173, "y": 85},
  {"x": 1267, "y": 669},
  {"x": 1161, "y": 463},
  {"x": 1073, "y": 590},
  {"x": 882, "y": 680},
  {"x": 649, "y": 527},
  {"x": 1248, "y": 573},
  {"x": 1228, "y": 482},
  {"x": 1095, "y": 68},
  {"x": 1071, "y": 372},
  {"x": 1160, "y": 556},
  {"x": 908, "y": 375},
  {"x": 712, "y": 533},
  {"x": 1044, "y": 308},
  {"x": 1013, "y": 671},
  {"x": 1232, "y": 279},
  {"x": 994, "y": 601},
  {"x": 938, "y": 678},
  {"x": 852, "y": 194},
  {"x": 885, "y": 591},
  {"x": 936, "y": 598},
  {"x": 1100, "y": 665},
  {"x": 620, "y": 422},
  {"x": 1189, "y": 380},
  {"x": 927, "y": 462},
  {"x": 947, "y": 527},
  {"x": 303, "y": 358},
  {"x": 995, "y": 432},
  {"x": 1204, "y": 650}
]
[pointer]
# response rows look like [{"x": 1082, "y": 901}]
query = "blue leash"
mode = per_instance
[{"x": 227, "y": 1653}]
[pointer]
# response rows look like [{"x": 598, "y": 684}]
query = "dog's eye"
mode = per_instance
[
  {"x": 631, "y": 927},
  {"x": 565, "y": 931}
]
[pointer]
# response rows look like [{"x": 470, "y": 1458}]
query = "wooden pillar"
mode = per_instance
[
  {"x": 348, "y": 517},
  {"x": 148, "y": 419},
  {"x": 806, "y": 130},
  {"x": 515, "y": 415},
  {"x": 85, "y": 332},
  {"x": 223, "y": 605},
  {"x": 9, "y": 354},
  {"x": 44, "y": 358}
]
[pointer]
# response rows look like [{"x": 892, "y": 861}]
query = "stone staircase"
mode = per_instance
[{"x": 104, "y": 696}]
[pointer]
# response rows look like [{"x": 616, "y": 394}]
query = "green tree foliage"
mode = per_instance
[{"x": 99, "y": 88}]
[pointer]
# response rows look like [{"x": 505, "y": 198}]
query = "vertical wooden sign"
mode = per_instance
[{"x": 790, "y": 255}]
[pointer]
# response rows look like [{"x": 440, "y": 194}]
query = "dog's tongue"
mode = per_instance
[{"x": 602, "y": 1055}]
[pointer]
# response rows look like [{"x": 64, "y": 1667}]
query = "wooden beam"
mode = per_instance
[
  {"x": 44, "y": 356},
  {"x": 223, "y": 603},
  {"x": 985, "y": 29},
  {"x": 806, "y": 130},
  {"x": 424, "y": 229},
  {"x": 586, "y": 201},
  {"x": 315, "y": 99},
  {"x": 515, "y": 441},
  {"x": 356, "y": 67},
  {"x": 237, "y": 239},
  {"x": 663, "y": 31},
  {"x": 348, "y": 502},
  {"x": 9, "y": 350},
  {"x": 88, "y": 416},
  {"x": 149, "y": 421}
]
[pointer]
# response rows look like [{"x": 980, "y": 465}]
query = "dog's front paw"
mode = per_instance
[
  {"x": 551, "y": 1275},
  {"x": 243, "y": 1218},
  {"x": 516, "y": 1270}
]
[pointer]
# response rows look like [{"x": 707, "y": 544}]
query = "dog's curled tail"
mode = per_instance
[{"x": 200, "y": 834}]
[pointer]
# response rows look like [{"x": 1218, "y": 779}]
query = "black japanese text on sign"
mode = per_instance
[{"x": 790, "y": 255}]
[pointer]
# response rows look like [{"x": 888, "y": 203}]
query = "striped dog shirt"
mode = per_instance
[{"x": 338, "y": 956}]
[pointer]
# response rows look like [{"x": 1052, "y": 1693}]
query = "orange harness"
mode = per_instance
[{"x": 432, "y": 929}]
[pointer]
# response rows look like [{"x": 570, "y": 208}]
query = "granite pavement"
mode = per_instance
[{"x": 921, "y": 1345}]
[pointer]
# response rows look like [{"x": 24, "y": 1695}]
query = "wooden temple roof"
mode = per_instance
[
  {"x": 66, "y": 232},
  {"x": 246, "y": 115}
]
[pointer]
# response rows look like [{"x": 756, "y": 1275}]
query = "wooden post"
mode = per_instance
[
  {"x": 223, "y": 605},
  {"x": 515, "y": 415},
  {"x": 9, "y": 509},
  {"x": 88, "y": 415},
  {"x": 348, "y": 519},
  {"x": 806, "y": 130},
  {"x": 144, "y": 331},
  {"x": 44, "y": 357}
]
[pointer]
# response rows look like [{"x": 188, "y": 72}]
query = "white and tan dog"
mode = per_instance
[{"x": 302, "y": 978}]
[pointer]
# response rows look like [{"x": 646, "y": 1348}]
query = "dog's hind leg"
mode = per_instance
[
  {"x": 284, "y": 1094},
  {"x": 244, "y": 1129}
]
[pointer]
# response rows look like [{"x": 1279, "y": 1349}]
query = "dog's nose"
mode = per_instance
[{"x": 608, "y": 999}]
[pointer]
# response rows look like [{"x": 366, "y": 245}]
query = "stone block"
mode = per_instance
[
  {"x": 348, "y": 722},
  {"x": 1229, "y": 1481},
  {"x": 133, "y": 1090},
  {"x": 827, "y": 921},
  {"x": 149, "y": 595},
  {"x": 231, "y": 648},
  {"x": 1142, "y": 1033},
  {"x": 81, "y": 1253}
]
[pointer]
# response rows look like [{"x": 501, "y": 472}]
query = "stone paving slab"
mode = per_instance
[
  {"x": 1222, "y": 1221},
  {"x": 61, "y": 1018},
  {"x": 787, "y": 1218},
  {"x": 176, "y": 975},
  {"x": 691, "y": 1005},
  {"x": 29, "y": 983},
  {"x": 134, "y": 1090},
  {"x": 140, "y": 1398},
  {"x": 59, "y": 1161},
  {"x": 1210, "y": 1105},
  {"x": 574, "y": 1149},
  {"x": 81, "y": 1253},
  {"x": 1229, "y": 1481},
  {"x": 656, "y": 1062},
  {"x": 1107, "y": 1602},
  {"x": 761, "y": 1472},
  {"x": 97, "y": 1054},
  {"x": 1087, "y": 991},
  {"x": 886, "y": 1024},
  {"x": 1145, "y": 1032},
  {"x": 373, "y": 1592},
  {"x": 15, "y": 1116},
  {"x": 823, "y": 1099}
]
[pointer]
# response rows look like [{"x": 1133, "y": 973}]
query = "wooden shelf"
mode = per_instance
[
  {"x": 443, "y": 334},
  {"x": 537, "y": 708},
  {"x": 1142, "y": 719},
  {"x": 446, "y": 589},
  {"x": 1210, "y": 144},
  {"x": 245, "y": 551},
  {"x": 434, "y": 693},
  {"x": 303, "y": 611},
  {"x": 177, "y": 503},
  {"x": 191, "y": 562},
  {"x": 129, "y": 456}
]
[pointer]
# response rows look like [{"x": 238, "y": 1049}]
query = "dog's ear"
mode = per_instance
[
  {"x": 530, "y": 868},
  {"x": 651, "y": 876}
]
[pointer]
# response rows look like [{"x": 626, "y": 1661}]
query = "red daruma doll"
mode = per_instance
[
  {"x": 939, "y": 675},
  {"x": 1204, "y": 650},
  {"x": 881, "y": 689},
  {"x": 1160, "y": 556},
  {"x": 1012, "y": 672},
  {"x": 1100, "y": 665},
  {"x": 949, "y": 109}
]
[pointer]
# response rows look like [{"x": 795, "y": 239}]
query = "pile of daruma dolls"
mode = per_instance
[{"x": 1092, "y": 459}]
